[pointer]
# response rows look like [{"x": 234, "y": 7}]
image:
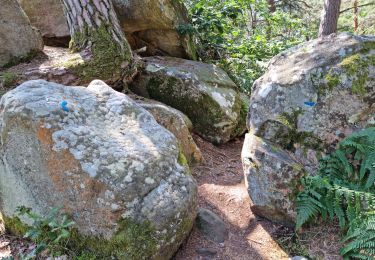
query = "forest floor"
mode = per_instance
[{"x": 221, "y": 189}]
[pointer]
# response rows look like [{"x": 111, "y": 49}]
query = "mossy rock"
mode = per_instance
[
  {"x": 131, "y": 241},
  {"x": 356, "y": 68},
  {"x": 309, "y": 99},
  {"x": 203, "y": 92}
]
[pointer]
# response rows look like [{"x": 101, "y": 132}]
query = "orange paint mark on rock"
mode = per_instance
[{"x": 79, "y": 192}]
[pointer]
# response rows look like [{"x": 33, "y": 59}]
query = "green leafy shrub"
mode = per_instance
[
  {"x": 344, "y": 189},
  {"x": 48, "y": 233},
  {"x": 242, "y": 35}
]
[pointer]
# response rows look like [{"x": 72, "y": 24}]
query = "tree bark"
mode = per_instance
[
  {"x": 96, "y": 32},
  {"x": 271, "y": 9},
  {"x": 355, "y": 14},
  {"x": 330, "y": 16}
]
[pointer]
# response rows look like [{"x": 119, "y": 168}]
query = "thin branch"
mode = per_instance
[{"x": 350, "y": 8}]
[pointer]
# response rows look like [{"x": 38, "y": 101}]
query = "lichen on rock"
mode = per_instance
[
  {"x": 179, "y": 124},
  {"x": 310, "y": 98},
  {"x": 101, "y": 157}
]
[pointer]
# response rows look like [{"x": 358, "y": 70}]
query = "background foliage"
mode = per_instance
[{"x": 242, "y": 35}]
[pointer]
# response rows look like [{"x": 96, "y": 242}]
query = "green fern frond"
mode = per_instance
[{"x": 344, "y": 189}]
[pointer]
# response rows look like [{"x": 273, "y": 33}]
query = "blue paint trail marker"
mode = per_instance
[
  {"x": 64, "y": 106},
  {"x": 310, "y": 104}
]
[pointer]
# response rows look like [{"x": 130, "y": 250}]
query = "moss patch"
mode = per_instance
[
  {"x": 8, "y": 79},
  {"x": 26, "y": 58},
  {"x": 15, "y": 226},
  {"x": 182, "y": 159},
  {"x": 332, "y": 81},
  {"x": 241, "y": 126},
  {"x": 289, "y": 136},
  {"x": 356, "y": 66},
  {"x": 368, "y": 46},
  {"x": 200, "y": 107},
  {"x": 131, "y": 241},
  {"x": 108, "y": 60}
]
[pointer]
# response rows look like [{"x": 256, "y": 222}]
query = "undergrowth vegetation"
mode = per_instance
[
  {"x": 344, "y": 189},
  {"x": 241, "y": 36},
  {"x": 50, "y": 233}
]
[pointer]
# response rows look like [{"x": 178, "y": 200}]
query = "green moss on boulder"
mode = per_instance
[
  {"x": 131, "y": 241},
  {"x": 203, "y": 92},
  {"x": 357, "y": 69},
  {"x": 107, "y": 61}
]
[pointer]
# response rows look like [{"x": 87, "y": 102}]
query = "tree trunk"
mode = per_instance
[
  {"x": 271, "y": 9},
  {"x": 330, "y": 16},
  {"x": 96, "y": 33},
  {"x": 271, "y": 6},
  {"x": 355, "y": 14}
]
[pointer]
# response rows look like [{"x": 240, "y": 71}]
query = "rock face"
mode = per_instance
[
  {"x": 203, "y": 92},
  {"x": 178, "y": 124},
  {"x": 104, "y": 159},
  {"x": 154, "y": 23},
  {"x": 48, "y": 16},
  {"x": 311, "y": 97},
  {"x": 270, "y": 175},
  {"x": 18, "y": 40}
]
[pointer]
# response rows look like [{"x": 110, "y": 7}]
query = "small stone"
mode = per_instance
[
  {"x": 211, "y": 226},
  {"x": 298, "y": 258},
  {"x": 206, "y": 251}
]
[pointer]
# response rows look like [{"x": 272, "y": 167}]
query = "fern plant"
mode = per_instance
[{"x": 344, "y": 189}]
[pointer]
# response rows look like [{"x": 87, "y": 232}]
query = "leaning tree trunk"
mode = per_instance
[
  {"x": 330, "y": 16},
  {"x": 95, "y": 32}
]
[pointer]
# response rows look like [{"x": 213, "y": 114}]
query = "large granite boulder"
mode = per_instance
[
  {"x": 48, "y": 16},
  {"x": 104, "y": 159},
  {"x": 154, "y": 23},
  {"x": 310, "y": 98},
  {"x": 178, "y": 124},
  {"x": 203, "y": 92},
  {"x": 18, "y": 39}
]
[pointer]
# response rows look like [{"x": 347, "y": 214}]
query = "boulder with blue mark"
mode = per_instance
[
  {"x": 106, "y": 162},
  {"x": 311, "y": 97}
]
